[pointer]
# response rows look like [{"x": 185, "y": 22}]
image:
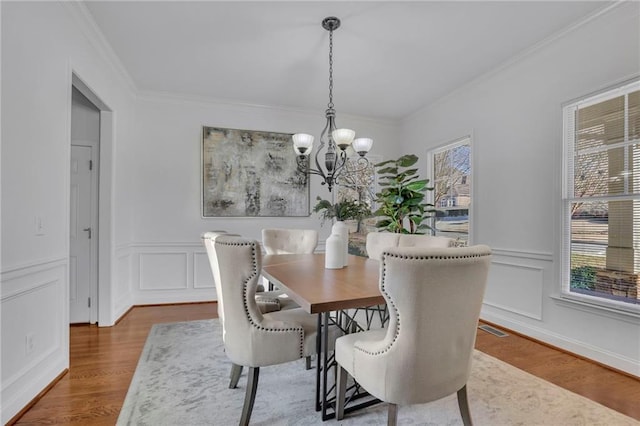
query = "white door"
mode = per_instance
[{"x": 82, "y": 233}]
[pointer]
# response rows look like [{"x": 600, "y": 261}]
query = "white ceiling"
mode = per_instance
[{"x": 390, "y": 58}]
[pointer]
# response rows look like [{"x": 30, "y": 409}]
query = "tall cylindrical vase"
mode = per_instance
[{"x": 342, "y": 229}]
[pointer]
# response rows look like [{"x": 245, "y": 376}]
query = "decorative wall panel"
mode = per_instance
[
  {"x": 163, "y": 271},
  {"x": 516, "y": 284},
  {"x": 202, "y": 276}
]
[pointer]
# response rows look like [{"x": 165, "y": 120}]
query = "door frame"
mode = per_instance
[{"x": 106, "y": 250}]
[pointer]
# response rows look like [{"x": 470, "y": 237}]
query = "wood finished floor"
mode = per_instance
[{"x": 102, "y": 362}]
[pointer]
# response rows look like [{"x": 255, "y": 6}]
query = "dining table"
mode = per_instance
[{"x": 333, "y": 295}]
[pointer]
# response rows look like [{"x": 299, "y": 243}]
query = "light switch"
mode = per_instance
[{"x": 39, "y": 226}]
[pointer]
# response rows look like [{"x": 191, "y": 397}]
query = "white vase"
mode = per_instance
[
  {"x": 333, "y": 257},
  {"x": 342, "y": 229}
]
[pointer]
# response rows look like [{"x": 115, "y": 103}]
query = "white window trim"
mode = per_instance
[{"x": 568, "y": 114}]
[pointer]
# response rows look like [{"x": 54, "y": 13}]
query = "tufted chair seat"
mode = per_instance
[
  {"x": 251, "y": 338},
  {"x": 434, "y": 296}
]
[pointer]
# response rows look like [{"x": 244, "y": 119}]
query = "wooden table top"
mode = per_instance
[{"x": 317, "y": 289}]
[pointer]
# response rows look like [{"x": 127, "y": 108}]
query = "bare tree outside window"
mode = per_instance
[{"x": 451, "y": 168}]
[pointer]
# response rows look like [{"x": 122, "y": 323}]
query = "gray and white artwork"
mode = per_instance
[{"x": 251, "y": 173}]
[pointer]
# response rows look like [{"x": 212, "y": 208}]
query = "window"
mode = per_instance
[
  {"x": 450, "y": 168},
  {"x": 601, "y": 198}
]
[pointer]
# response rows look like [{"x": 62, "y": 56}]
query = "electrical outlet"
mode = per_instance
[{"x": 28, "y": 343}]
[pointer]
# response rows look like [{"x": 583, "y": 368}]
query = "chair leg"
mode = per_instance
[
  {"x": 236, "y": 371},
  {"x": 392, "y": 414},
  {"x": 307, "y": 360},
  {"x": 463, "y": 404},
  {"x": 250, "y": 395},
  {"x": 341, "y": 389}
]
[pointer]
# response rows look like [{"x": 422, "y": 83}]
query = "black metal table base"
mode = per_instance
[{"x": 327, "y": 367}]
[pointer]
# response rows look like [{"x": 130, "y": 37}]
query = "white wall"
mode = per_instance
[
  {"x": 154, "y": 211},
  {"x": 153, "y": 201},
  {"x": 168, "y": 262},
  {"x": 42, "y": 44},
  {"x": 515, "y": 118}
]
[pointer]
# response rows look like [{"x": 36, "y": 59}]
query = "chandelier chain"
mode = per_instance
[{"x": 330, "y": 105}]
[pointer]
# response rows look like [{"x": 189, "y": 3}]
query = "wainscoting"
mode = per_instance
[
  {"x": 35, "y": 330},
  {"x": 516, "y": 282},
  {"x": 523, "y": 294},
  {"x": 170, "y": 273},
  {"x": 520, "y": 296}
]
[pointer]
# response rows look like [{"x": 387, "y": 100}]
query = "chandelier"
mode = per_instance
[{"x": 336, "y": 140}]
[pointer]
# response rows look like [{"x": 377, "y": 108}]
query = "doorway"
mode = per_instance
[
  {"x": 101, "y": 142},
  {"x": 83, "y": 217}
]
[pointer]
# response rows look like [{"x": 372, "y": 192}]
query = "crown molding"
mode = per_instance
[
  {"x": 91, "y": 30},
  {"x": 78, "y": 10},
  {"x": 524, "y": 54},
  {"x": 157, "y": 96}
]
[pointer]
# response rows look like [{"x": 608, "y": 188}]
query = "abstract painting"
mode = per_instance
[{"x": 251, "y": 173}]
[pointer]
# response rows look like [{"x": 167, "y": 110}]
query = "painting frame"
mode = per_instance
[{"x": 250, "y": 173}]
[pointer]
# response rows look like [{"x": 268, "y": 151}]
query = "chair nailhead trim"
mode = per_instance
[
  {"x": 441, "y": 257},
  {"x": 392, "y": 309},
  {"x": 300, "y": 330},
  {"x": 388, "y": 298}
]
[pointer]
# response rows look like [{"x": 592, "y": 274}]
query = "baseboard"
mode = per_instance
[
  {"x": 559, "y": 349},
  {"x": 611, "y": 361},
  {"x": 37, "y": 398}
]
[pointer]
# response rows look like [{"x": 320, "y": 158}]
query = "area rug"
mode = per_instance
[{"x": 182, "y": 378}]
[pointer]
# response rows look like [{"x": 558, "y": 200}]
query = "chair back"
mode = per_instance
[
  {"x": 250, "y": 339},
  {"x": 208, "y": 239},
  {"x": 416, "y": 240},
  {"x": 378, "y": 241},
  {"x": 434, "y": 296},
  {"x": 289, "y": 241}
]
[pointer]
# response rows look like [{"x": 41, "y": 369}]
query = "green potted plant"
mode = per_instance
[
  {"x": 402, "y": 197},
  {"x": 342, "y": 210}
]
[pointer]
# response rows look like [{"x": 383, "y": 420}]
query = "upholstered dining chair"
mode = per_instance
[
  {"x": 289, "y": 241},
  {"x": 251, "y": 338},
  {"x": 434, "y": 297},
  {"x": 266, "y": 302},
  {"x": 376, "y": 243}
]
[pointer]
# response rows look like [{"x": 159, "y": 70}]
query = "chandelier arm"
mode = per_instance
[
  {"x": 303, "y": 167},
  {"x": 319, "y": 168},
  {"x": 316, "y": 172},
  {"x": 341, "y": 161},
  {"x": 349, "y": 177},
  {"x": 364, "y": 166}
]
